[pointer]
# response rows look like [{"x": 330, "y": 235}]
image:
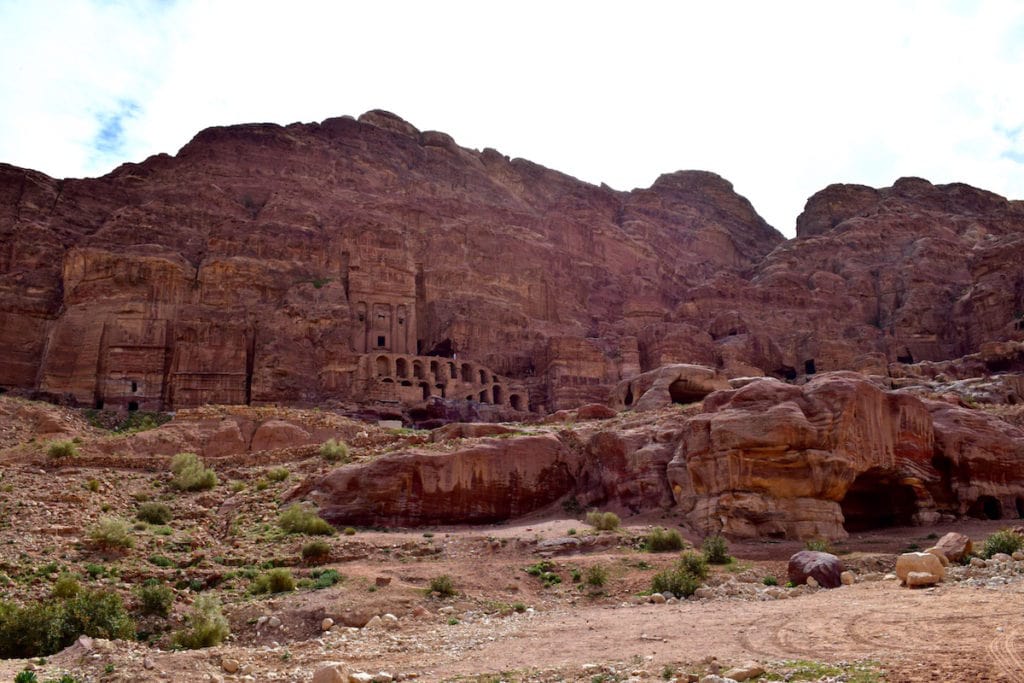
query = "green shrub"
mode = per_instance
[
  {"x": 1005, "y": 541},
  {"x": 596, "y": 576},
  {"x": 663, "y": 540},
  {"x": 278, "y": 474},
  {"x": 153, "y": 513},
  {"x": 442, "y": 586},
  {"x": 770, "y": 581},
  {"x": 44, "y": 628},
  {"x": 316, "y": 552},
  {"x": 277, "y": 580},
  {"x": 820, "y": 545},
  {"x": 26, "y": 677},
  {"x": 62, "y": 449},
  {"x": 93, "y": 485},
  {"x": 161, "y": 561},
  {"x": 334, "y": 451},
  {"x": 325, "y": 578},
  {"x": 603, "y": 521},
  {"x": 350, "y": 531},
  {"x": 155, "y": 598},
  {"x": 207, "y": 626},
  {"x": 111, "y": 534},
  {"x": 299, "y": 519},
  {"x": 66, "y": 586},
  {"x": 190, "y": 474},
  {"x": 695, "y": 564},
  {"x": 716, "y": 549},
  {"x": 545, "y": 571}
]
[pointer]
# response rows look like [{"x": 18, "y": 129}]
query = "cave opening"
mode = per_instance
[
  {"x": 877, "y": 499},
  {"x": 1020, "y": 507},
  {"x": 629, "y": 395},
  {"x": 907, "y": 357},
  {"x": 785, "y": 372},
  {"x": 516, "y": 401},
  {"x": 986, "y": 507},
  {"x": 682, "y": 391},
  {"x": 426, "y": 390},
  {"x": 133, "y": 406},
  {"x": 809, "y": 367}
]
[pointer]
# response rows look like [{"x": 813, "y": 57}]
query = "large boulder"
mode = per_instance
[
  {"x": 825, "y": 568},
  {"x": 920, "y": 564},
  {"x": 955, "y": 546}
]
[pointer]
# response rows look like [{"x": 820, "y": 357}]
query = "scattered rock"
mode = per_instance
[
  {"x": 955, "y": 546},
  {"x": 919, "y": 579},
  {"x": 825, "y": 568},
  {"x": 374, "y": 623},
  {"x": 331, "y": 672},
  {"x": 327, "y": 624},
  {"x": 744, "y": 671},
  {"x": 919, "y": 563},
  {"x": 939, "y": 554},
  {"x": 847, "y": 578},
  {"x": 229, "y": 665}
]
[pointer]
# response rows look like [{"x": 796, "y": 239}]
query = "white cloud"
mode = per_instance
[{"x": 780, "y": 98}]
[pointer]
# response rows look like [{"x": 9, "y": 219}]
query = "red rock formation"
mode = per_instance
[{"x": 270, "y": 264}]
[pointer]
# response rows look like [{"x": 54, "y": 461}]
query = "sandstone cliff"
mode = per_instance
[{"x": 364, "y": 261}]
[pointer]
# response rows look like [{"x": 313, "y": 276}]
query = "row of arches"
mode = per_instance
[{"x": 421, "y": 377}]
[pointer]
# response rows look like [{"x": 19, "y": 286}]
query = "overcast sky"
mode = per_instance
[{"x": 781, "y": 98}]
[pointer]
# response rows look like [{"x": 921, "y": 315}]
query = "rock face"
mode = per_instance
[
  {"x": 825, "y": 568},
  {"x": 834, "y": 455},
  {"x": 488, "y": 481},
  {"x": 364, "y": 262}
]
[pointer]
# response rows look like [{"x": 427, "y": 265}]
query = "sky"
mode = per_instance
[{"x": 781, "y": 98}]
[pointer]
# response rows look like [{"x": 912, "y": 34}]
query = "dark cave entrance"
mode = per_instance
[
  {"x": 877, "y": 500},
  {"x": 809, "y": 367},
  {"x": 1020, "y": 507},
  {"x": 681, "y": 391},
  {"x": 133, "y": 406},
  {"x": 986, "y": 507},
  {"x": 629, "y": 396},
  {"x": 784, "y": 372}
]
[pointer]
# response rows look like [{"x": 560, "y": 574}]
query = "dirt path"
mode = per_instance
[{"x": 947, "y": 634}]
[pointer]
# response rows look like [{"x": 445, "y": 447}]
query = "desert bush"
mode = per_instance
[
  {"x": 334, "y": 451},
  {"x": 442, "y": 586},
  {"x": 299, "y": 519},
  {"x": 206, "y": 625},
  {"x": 316, "y": 552},
  {"x": 277, "y": 580},
  {"x": 62, "y": 449},
  {"x": 695, "y": 564},
  {"x": 66, "y": 586},
  {"x": 770, "y": 581},
  {"x": 155, "y": 598},
  {"x": 43, "y": 628},
  {"x": 153, "y": 513},
  {"x": 603, "y": 521},
  {"x": 190, "y": 474},
  {"x": 111, "y": 534},
  {"x": 596, "y": 576},
  {"x": 325, "y": 578},
  {"x": 820, "y": 545},
  {"x": 278, "y": 474},
  {"x": 1005, "y": 541},
  {"x": 545, "y": 571},
  {"x": 716, "y": 549},
  {"x": 663, "y": 540}
]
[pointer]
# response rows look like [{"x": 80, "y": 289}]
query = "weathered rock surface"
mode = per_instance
[
  {"x": 955, "y": 546},
  {"x": 919, "y": 569},
  {"x": 486, "y": 481},
  {"x": 319, "y": 263},
  {"x": 825, "y": 568}
]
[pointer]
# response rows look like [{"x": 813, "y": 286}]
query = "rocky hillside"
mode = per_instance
[{"x": 364, "y": 262}]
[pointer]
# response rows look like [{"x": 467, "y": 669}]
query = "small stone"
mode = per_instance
[
  {"x": 419, "y": 611},
  {"x": 657, "y": 599},
  {"x": 383, "y": 677},
  {"x": 812, "y": 582},
  {"x": 744, "y": 671},
  {"x": 374, "y": 623},
  {"x": 229, "y": 665},
  {"x": 331, "y": 672},
  {"x": 847, "y": 578},
  {"x": 261, "y": 621},
  {"x": 382, "y": 581},
  {"x": 978, "y": 563},
  {"x": 274, "y": 622},
  {"x": 327, "y": 624},
  {"x": 447, "y": 609},
  {"x": 917, "y": 579},
  {"x": 1001, "y": 557},
  {"x": 390, "y": 621},
  {"x": 1018, "y": 555},
  {"x": 147, "y": 663},
  {"x": 360, "y": 677}
]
